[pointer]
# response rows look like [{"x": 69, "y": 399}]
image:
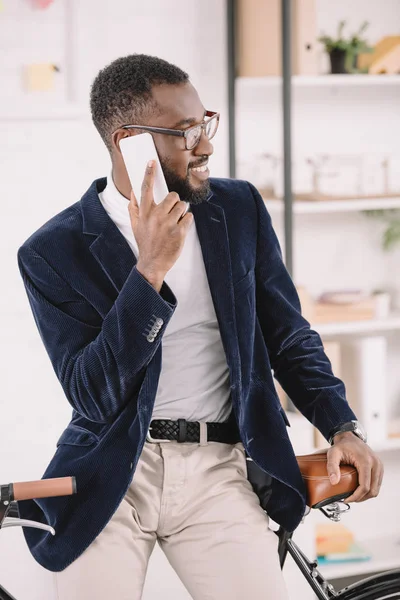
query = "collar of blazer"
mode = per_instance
[{"x": 112, "y": 251}]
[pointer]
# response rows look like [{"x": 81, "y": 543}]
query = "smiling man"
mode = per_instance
[{"x": 163, "y": 326}]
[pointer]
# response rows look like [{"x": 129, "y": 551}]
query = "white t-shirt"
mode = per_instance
[{"x": 194, "y": 381}]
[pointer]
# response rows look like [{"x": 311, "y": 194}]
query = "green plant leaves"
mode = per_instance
[{"x": 391, "y": 217}]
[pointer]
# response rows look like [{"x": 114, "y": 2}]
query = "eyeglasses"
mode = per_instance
[{"x": 192, "y": 135}]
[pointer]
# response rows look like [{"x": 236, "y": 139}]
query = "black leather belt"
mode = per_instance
[{"x": 189, "y": 431}]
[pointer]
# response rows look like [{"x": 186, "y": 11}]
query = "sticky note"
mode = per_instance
[
  {"x": 40, "y": 77},
  {"x": 42, "y": 3}
]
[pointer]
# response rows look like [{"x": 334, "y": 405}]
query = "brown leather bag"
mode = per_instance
[{"x": 320, "y": 491}]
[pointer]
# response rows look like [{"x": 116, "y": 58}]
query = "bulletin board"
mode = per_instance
[{"x": 37, "y": 61}]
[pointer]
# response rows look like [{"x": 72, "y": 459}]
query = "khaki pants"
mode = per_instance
[{"x": 196, "y": 502}]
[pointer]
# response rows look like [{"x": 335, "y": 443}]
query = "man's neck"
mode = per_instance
[{"x": 121, "y": 181}]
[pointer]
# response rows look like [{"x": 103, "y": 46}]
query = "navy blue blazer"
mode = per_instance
[{"x": 93, "y": 310}]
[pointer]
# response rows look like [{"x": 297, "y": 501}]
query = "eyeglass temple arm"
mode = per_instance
[{"x": 155, "y": 129}]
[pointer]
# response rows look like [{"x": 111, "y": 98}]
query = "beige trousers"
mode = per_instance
[{"x": 196, "y": 502}]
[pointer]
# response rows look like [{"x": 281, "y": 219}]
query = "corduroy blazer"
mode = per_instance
[{"x": 94, "y": 311}]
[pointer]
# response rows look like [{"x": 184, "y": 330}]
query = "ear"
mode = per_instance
[{"x": 117, "y": 136}]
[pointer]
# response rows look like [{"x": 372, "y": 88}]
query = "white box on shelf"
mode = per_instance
[
  {"x": 373, "y": 178},
  {"x": 364, "y": 366},
  {"x": 393, "y": 174}
]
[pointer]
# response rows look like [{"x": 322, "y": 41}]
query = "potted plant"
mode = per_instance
[
  {"x": 391, "y": 218},
  {"x": 343, "y": 52},
  {"x": 357, "y": 45}
]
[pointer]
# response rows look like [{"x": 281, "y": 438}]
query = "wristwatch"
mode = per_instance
[{"x": 353, "y": 426}]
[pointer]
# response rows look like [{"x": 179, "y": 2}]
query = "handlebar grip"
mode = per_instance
[{"x": 44, "y": 488}]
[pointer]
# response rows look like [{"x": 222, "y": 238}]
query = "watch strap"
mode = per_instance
[{"x": 349, "y": 426}]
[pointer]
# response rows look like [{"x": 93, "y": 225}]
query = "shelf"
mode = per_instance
[
  {"x": 385, "y": 552},
  {"x": 387, "y": 445},
  {"x": 301, "y": 435},
  {"x": 333, "y": 206},
  {"x": 320, "y": 80},
  {"x": 391, "y": 323}
]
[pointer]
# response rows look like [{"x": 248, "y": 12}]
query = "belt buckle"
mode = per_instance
[{"x": 154, "y": 440}]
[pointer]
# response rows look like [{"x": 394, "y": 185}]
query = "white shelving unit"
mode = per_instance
[
  {"x": 319, "y": 80},
  {"x": 392, "y": 323},
  {"x": 387, "y": 445},
  {"x": 301, "y": 207},
  {"x": 336, "y": 114},
  {"x": 301, "y": 436}
]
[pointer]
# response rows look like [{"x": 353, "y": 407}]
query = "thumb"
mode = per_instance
[{"x": 333, "y": 468}]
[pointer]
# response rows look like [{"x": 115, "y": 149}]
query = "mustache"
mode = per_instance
[{"x": 199, "y": 163}]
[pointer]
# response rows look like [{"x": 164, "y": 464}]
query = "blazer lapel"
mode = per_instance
[{"x": 109, "y": 246}]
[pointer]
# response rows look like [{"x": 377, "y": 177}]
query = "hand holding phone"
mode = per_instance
[{"x": 160, "y": 229}]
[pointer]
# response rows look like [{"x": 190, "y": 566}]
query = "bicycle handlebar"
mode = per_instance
[{"x": 44, "y": 488}]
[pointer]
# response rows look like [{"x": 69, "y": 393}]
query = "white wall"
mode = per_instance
[{"x": 47, "y": 165}]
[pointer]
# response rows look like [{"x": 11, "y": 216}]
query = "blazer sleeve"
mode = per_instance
[
  {"x": 296, "y": 351},
  {"x": 99, "y": 362}
]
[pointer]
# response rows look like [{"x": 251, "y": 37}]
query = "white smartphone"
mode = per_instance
[{"x": 137, "y": 150}]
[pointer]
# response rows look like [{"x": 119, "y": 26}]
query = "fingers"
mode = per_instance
[
  {"x": 147, "y": 199},
  {"x": 376, "y": 480},
  {"x": 364, "y": 469},
  {"x": 178, "y": 210},
  {"x": 169, "y": 202},
  {"x": 133, "y": 209},
  {"x": 333, "y": 464},
  {"x": 369, "y": 467},
  {"x": 186, "y": 221}
]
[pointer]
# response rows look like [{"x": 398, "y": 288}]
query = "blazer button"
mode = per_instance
[
  {"x": 150, "y": 338},
  {"x": 159, "y": 323}
]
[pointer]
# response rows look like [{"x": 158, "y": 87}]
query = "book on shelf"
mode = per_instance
[
  {"x": 355, "y": 553},
  {"x": 336, "y": 543}
]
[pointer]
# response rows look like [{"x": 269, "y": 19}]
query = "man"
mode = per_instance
[{"x": 162, "y": 326}]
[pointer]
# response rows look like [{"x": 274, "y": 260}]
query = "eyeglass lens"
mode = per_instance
[{"x": 194, "y": 134}]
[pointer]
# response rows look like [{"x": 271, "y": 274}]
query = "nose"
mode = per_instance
[{"x": 204, "y": 147}]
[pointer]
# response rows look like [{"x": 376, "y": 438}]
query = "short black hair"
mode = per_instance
[{"x": 121, "y": 92}]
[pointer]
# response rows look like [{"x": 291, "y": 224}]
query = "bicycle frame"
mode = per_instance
[{"x": 322, "y": 588}]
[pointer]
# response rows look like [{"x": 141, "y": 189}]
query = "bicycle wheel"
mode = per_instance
[{"x": 378, "y": 587}]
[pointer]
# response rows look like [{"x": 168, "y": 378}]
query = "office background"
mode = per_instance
[{"x": 50, "y": 153}]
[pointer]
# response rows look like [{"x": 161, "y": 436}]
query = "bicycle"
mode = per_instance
[{"x": 321, "y": 495}]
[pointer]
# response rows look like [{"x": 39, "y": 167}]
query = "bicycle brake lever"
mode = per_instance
[{"x": 11, "y": 522}]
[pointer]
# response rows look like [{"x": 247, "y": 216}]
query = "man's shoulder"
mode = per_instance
[
  {"x": 222, "y": 186},
  {"x": 233, "y": 195},
  {"x": 68, "y": 219},
  {"x": 64, "y": 227}
]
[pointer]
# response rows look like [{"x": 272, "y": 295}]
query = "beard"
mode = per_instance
[{"x": 182, "y": 186}]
